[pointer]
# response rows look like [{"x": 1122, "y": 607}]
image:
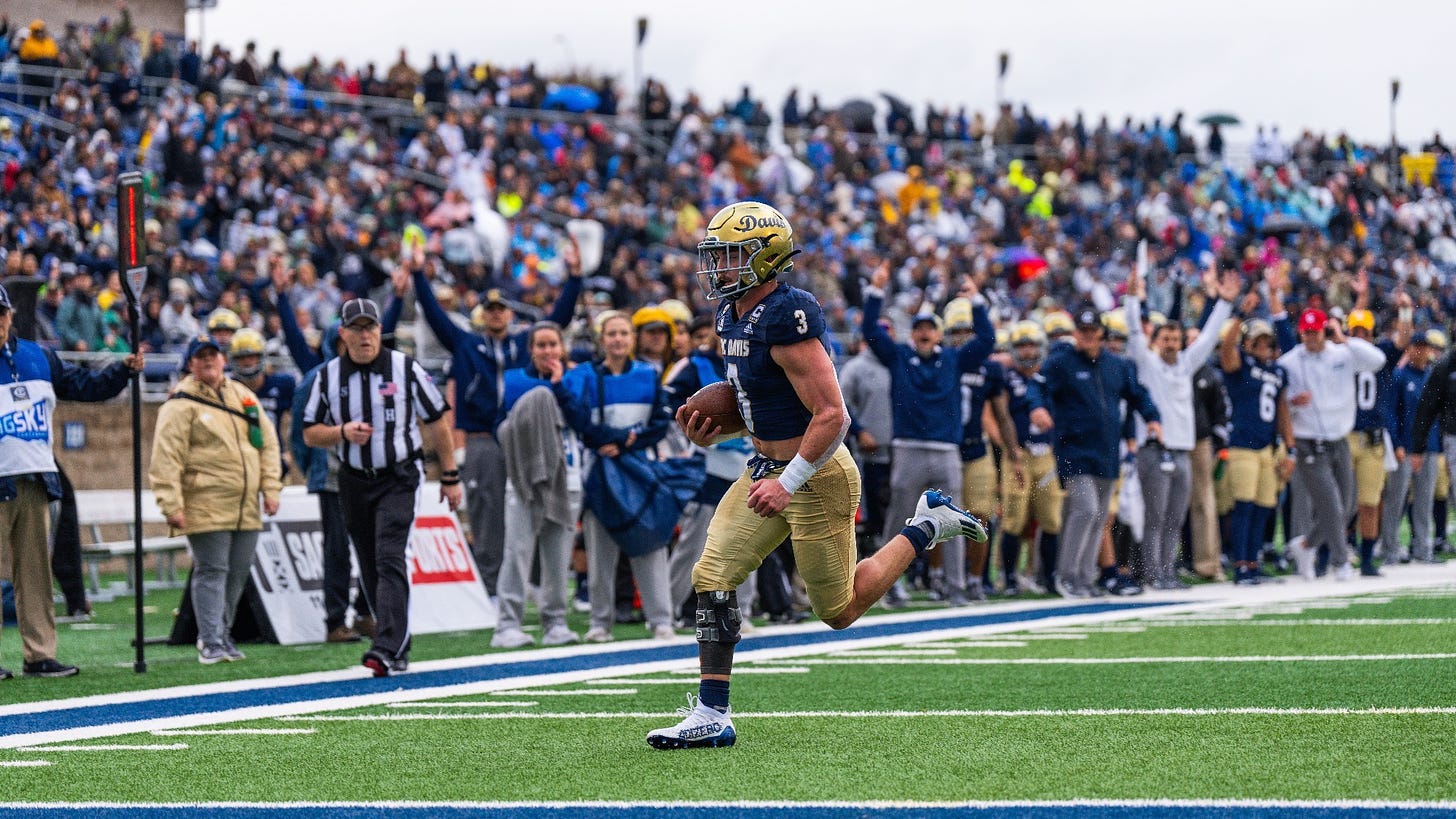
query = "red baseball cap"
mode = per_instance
[{"x": 1312, "y": 321}]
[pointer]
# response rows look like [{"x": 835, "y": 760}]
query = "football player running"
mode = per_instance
[{"x": 801, "y": 480}]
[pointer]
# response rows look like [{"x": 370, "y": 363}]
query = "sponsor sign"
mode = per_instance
[{"x": 445, "y": 589}]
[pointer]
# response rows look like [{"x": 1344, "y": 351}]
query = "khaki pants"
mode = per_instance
[
  {"x": 25, "y": 561},
  {"x": 820, "y": 517},
  {"x": 1203, "y": 513},
  {"x": 1368, "y": 459}
]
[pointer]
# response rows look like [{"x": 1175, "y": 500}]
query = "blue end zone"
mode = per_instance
[
  {"x": 63, "y": 719},
  {"x": 1009, "y": 811}
]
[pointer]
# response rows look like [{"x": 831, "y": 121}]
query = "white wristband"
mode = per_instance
[{"x": 795, "y": 474}]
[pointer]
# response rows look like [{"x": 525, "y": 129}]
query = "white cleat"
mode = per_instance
[
  {"x": 1304, "y": 557},
  {"x": 560, "y": 635},
  {"x": 949, "y": 520},
  {"x": 702, "y": 727},
  {"x": 511, "y": 638}
]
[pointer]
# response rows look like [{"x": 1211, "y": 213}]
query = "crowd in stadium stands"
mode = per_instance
[{"x": 262, "y": 176}]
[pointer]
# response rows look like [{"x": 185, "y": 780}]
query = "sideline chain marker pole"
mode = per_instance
[{"x": 132, "y": 258}]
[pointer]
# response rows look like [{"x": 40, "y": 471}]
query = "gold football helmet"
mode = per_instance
[
  {"x": 246, "y": 342},
  {"x": 1028, "y": 344},
  {"x": 1115, "y": 322},
  {"x": 1057, "y": 323},
  {"x": 749, "y": 238},
  {"x": 223, "y": 319},
  {"x": 1360, "y": 318},
  {"x": 957, "y": 315},
  {"x": 1003, "y": 340}
]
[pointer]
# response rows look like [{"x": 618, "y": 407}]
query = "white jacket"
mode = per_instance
[
  {"x": 1171, "y": 385},
  {"x": 1329, "y": 377}
]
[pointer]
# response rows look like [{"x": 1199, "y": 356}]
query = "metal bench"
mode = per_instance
[{"x": 99, "y": 508}]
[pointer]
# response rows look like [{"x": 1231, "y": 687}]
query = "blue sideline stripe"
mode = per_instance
[
  {"x": 308, "y": 692},
  {"x": 1019, "y": 811}
]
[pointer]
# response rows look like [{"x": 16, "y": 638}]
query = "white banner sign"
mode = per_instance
[{"x": 445, "y": 589}]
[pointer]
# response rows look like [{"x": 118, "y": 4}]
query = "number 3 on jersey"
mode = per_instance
[{"x": 744, "y": 408}]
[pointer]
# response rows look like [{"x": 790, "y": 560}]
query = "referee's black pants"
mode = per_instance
[{"x": 378, "y": 512}]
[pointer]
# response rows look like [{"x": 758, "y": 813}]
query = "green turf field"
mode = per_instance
[{"x": 1331, "y": 700}]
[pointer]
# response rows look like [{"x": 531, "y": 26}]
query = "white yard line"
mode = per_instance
[
  {"x": 467, "y": 704},
  {"x": 229, "y": 732},
  {"x": 1266, "y": 658},
  {"x": 573, "y": 692},
  {"x": 1337, "y": 804},
  {"x": 1354, "y": 621},
  {"x": 180, "y": 746},
  {"x": 893, "y": 714},
  {"x": 24, "y": 763},
  {"x": 897, "y": 652}
]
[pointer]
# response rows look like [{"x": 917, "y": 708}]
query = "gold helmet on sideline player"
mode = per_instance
[
  {"x": 247, "y": 342},
  {"x": 1360, "y": 319},
  {"x": 1056, "y": 324},
  {"x": 1025, "y": 334},
  {"x": 957, "y": 315},
  {"x": 1115, "y": 322}
]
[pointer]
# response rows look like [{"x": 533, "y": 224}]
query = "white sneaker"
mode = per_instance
[
  {"x": 560, "y": 635},
  {"x": 701, "y": 727},
  {"x": 511, "y": 638},
  {"x": 1304, "y": 558},
  {"x": 746, "y": 626},
  {"x": 598, "y": 635},
  {"x": 949, "y": 520},
  {"x": 1344, "y": 572},
  {"x": 663, "y": 631}
]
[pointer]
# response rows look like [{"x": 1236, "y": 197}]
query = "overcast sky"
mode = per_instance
[{"x": 1324, "y": 64}]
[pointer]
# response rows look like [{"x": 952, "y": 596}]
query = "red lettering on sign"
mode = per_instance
[{"x": 440, "y": 553}]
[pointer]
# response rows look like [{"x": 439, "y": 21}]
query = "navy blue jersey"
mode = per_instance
[
  {"x": 1373, "y": 390},
  {"x": 1253, "y": 392},
  {"x": 1019, "y": 397},
  {"x": 787, "y": 315},
  {"x": 978, "y": 387}
]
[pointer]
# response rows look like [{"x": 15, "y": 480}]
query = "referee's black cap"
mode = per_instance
[{"x": 355, "y": 309}]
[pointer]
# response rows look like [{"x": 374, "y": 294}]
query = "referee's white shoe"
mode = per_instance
[{"x": 702, "y": 727}]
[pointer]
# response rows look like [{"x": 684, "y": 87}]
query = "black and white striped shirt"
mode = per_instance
[{"x": 391, "y": 394}]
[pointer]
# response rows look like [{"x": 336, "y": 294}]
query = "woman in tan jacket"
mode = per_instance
[{"x": 214, "y": 452}]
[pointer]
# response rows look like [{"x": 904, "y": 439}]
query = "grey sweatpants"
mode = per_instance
[
  {"x": 916, "y": 468},
  {"x": 484, "y": 477},
  {"x": 649, "y": 570},
  {"x": 528, "y": 533},
  {"x": 1083, "y": 512},
  {"x": 691, "y": 540},
  {"x": 1165, "y": 505},
  {"x": 1422, "y": 488},
  {"x": 220, "y": 565},
  {"x": 1323, "y": 491}
]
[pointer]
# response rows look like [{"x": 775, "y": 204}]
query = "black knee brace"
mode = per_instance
[{"x": 718, "y": 622}]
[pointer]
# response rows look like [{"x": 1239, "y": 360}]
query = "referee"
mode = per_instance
[{"x": 364, "y": 404}]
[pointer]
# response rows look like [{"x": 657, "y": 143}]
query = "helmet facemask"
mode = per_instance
[{"x": 716, "y": 257}]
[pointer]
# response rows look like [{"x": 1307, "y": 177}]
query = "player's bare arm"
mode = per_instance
[{"x": 810, "y": 371}]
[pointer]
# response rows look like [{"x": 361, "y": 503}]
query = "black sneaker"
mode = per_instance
[
  {"x": 376, "y": 662},
  {"x": 382, "y": 665},
  {"x": 6, "y": 674},
  {"x": 50, "y": 668}
]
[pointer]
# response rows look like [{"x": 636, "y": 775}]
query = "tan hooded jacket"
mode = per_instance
[{"x": 204, "y": 465}]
